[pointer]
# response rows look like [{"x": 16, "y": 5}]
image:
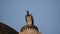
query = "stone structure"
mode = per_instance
[
  {"x": 5, "y": 29},
  {"x": 29, "y": 28}
]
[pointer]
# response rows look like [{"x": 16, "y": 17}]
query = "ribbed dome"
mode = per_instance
[{"x": 29, "y": 27}]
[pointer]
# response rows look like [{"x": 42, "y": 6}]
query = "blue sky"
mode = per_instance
[{"x": 46, "y": 14}]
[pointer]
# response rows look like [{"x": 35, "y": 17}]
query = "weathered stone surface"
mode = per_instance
[{"x": 5, "y": 29}]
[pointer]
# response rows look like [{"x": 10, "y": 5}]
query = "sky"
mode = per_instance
[{"x": 46, "y": 14}]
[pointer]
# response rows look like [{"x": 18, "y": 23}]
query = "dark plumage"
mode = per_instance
[
  {"x": 32, "y": 26},
  {"x": 31, "y": 17}
]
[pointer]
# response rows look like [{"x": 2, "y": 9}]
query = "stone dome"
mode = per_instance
[{"x": 33, "y": 27}]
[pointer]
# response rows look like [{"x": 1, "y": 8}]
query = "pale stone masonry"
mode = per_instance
[{"x": 29, "y": 28}]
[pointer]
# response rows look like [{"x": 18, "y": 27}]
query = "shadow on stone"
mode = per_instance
[{"x": 5, "y": 29}]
